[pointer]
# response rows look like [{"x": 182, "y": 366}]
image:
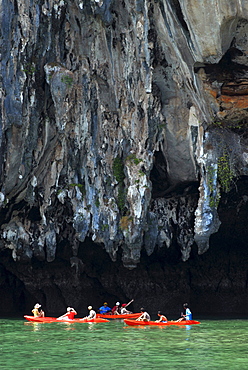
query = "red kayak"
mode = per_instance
[
  {"x": 154, "y": 323},
  {"x": 54, "y": 319},
  {"x": 126, "y": 316}
]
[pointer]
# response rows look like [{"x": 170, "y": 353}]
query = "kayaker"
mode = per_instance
[
  {"x": 104, "y": 309},
  {"x": 92, "y": 314},
  {"x": 36, "y": 312},
  {"x": 69, "y": 315},
  {"x": 162, "y": 318},
  {"x": 187, "y": 314},
  {"x": 124, "y": 311},
  {"x": 116, "y": 310},
  {"x": 144, "y": 316}
]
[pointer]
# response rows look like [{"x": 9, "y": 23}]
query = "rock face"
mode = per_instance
[{"x": 123, "y": 150}]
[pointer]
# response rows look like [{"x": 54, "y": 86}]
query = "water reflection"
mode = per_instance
[
  {"x": 188, "y": 328},
  {"x": 214, "y": 345},
  {"x": 36, "y": 326}
]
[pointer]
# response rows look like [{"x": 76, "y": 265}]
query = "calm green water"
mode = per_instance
[{"x": 213, "y": 344}]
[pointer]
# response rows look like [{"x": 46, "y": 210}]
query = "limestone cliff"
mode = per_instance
[{"x": 124, "y": 127}]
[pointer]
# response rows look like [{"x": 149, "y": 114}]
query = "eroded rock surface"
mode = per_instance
[{"x": 123, "y": 124}]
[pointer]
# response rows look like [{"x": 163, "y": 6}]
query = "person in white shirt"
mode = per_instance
[
  {"x": 124, "y": 311},
  {"x": 92, "y": 314},
  {"x": 187, "y": 314},
  {"x": 144, "y": 316}
]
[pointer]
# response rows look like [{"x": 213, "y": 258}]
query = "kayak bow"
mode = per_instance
[{"x": 154, "y": 323}]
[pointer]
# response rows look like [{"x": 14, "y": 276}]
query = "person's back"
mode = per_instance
[
  {"x": 92, "y": 313},
  {"x": 144, "y": 316},
  {"x": 162, "y": 317},
  {"x": 35, "y": 310},
  {"x": 71, "y": 315},
  {"x": 188, "y": 314},
  {"x": 124, "y": 311},
  {"x": 116, "y": 310}
]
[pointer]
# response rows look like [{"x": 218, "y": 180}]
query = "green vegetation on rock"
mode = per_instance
[
  {"x": 118, "y": 170},
  {"x": 225, "y": 173},
  {"x": 68, "y": 80},
  {"x": 132, "y": 158}
]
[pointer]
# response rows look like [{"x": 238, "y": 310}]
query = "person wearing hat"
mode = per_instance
[
  {"x": 116, "y": 310},
  {"x": 124, "y": 311},
  {"x": 104, "y": 309},
  {"x": 69, "y": 315},
  {"x": 92, "y": 314},
  {"x": 144, "y": 316},
  {"x": 36, "y": 312}
]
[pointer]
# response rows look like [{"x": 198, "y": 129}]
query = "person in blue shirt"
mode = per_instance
[
  {"x": 103, "y": 310},
  {"x": 187, "y": 314}
]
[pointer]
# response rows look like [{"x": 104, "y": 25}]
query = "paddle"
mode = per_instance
[{"x": 129, "y": 303}]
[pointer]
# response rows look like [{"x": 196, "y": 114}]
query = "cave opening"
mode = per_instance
[
  {"x": 14, "y": 295},
  {"x": 159, "y": 175},
  {"x": 161, "y": 185},
  {"x": 231, "y": 66}
]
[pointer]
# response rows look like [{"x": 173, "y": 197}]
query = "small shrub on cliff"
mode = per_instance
[
  {"x": 118, "y": 170},
  {"x": 132, "y": 158},
  {"x": 225, "y": 173}
]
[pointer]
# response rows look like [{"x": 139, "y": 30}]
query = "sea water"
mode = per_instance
[{"x": 214, "y": 344}]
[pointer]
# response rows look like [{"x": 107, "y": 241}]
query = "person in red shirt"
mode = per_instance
[
  {"x": 116, "y": 310},
  {"x": 69, "y": 315}
]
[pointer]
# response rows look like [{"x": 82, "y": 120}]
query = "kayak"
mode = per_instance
[
  {"x": 39, "y": 319},
  {"x": 54, "y": 319},
  {"x": 154, "y": 323},
  {"x": 126, "y": 316}
]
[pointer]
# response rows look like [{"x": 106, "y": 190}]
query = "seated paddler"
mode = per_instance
[
  {"x": 69, "y": 315},
  {"x": 144, "y": 315},
  {"x": 103, "y": 310},
  {"x": 37, "y": 311},
  {"x": 92, "y": 314}
]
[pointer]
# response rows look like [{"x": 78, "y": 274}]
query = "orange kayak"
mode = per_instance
[
  {"x": 54, "y": 319},
  {"x": 154, "y": 323},
  {"x": 126, "y": 316}
]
